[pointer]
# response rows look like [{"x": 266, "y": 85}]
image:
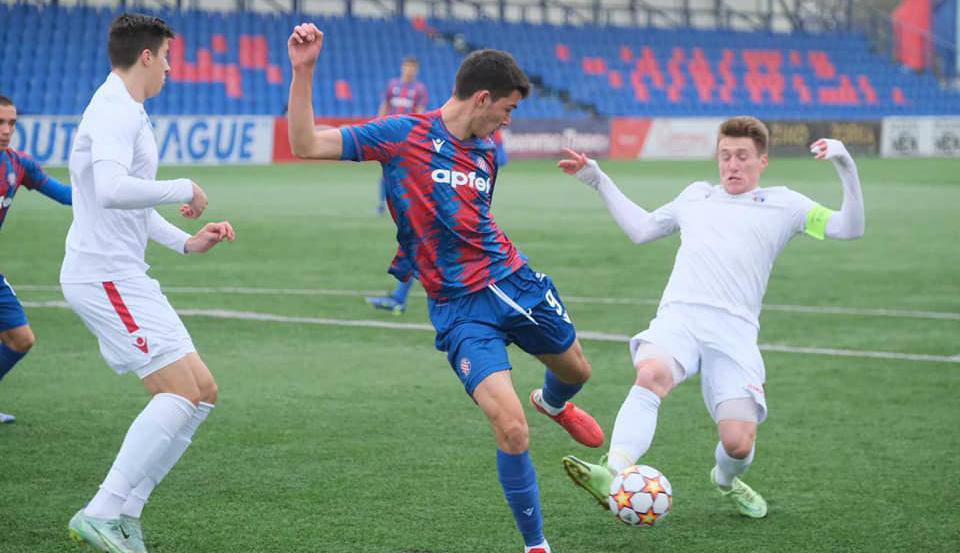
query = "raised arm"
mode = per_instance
[
  {"x": 850, "y": 221},
  {"x": 303, "y": 47},
  {"x": 640, "y": 225}
]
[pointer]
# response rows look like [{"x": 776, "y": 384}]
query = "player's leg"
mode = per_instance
[
  {"x": 534, "y": 317},
  {"x": 16, "y": 337},
  {"x": 732, "y": 384},
  {"x": 192, "y": 377},
  {"x": 664, "y": 355},
  {"x": 565, "y": 375},
  {"x": 396, "y": 301},
  {"x": 139, "y": 332},
  {"x": 518, "y": 477}
]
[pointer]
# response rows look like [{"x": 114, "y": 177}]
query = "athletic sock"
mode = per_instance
[
  {"x": 8, "y": 358},
  {"x": 556, "y": 393},
  {"x": 729, "y": 467},
  {"x": 634, "y": 428},
  {"x": 133, "y": 507},
  {"x": 402, "y": 290},
  {"x": 519, "y": 481},
  {"x": 148, "y": 438}
]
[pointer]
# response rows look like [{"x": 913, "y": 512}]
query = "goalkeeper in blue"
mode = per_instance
[
  {"x": 18, "y": 170},
  {"x": 708, "y": 318}
]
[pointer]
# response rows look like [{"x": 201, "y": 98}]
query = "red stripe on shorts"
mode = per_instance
[{"x": 120, "y": 307}]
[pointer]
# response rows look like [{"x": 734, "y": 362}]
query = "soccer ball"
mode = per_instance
[{"x": 640, "y": 496}]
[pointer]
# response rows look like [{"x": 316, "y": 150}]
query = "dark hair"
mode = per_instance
[
  {"x": 744, "y": 126},
  {"x": 411, "y": 59},
  {"x": 4, "y": 101},
  {"x": 493, "y": 70},
  {"x": 131, "y": 34}
]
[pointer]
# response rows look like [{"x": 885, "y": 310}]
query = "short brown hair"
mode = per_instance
[
  {"x": 493, "y": 70},
  {"x": 745, "y": 126},
  {"x": 131, "y": 34},
  {"x": 4, "y": 101}
]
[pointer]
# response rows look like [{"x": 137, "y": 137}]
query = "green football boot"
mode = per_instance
[
  {"x": 135, "y": 533},
  {"x": 105, "y": 535},
  {"x": 748, "y": 502},
  {"x": 596, "y": 479}
]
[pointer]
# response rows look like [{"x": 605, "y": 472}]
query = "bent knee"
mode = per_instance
[
  {"x": 654, "y": 375},
  {"x": 740, "y": 445},
  {"x": 21, "y": 341}
]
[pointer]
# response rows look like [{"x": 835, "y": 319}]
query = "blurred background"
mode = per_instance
[{"x": 616, "y": 78}]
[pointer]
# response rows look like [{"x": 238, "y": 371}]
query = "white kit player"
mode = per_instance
[
  {"x": 708, "y": 319},
  {"x": 113, "y": 168}
]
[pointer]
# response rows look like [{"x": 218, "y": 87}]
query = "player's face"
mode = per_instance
[
  {"x": 408, "y": 71},
  {"x": 740, "y": 164},
  {"x": 495, "y": 114},
  {"x": 8, "y": 124},
  {"x": 157, "y": 69}
]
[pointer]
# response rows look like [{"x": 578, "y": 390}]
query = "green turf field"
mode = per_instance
[{"x": 344, "y": 439}]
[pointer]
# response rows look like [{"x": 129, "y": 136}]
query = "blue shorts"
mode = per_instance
[
  {"x": 11, "y": 312},
  {"x": 475, "y": 330}
]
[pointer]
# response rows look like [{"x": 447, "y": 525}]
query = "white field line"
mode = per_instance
[
  {"x": 816, "y": 309},
  {"x": 586, "y": 335}
]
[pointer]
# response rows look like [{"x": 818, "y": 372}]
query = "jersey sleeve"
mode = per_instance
[
  {"x": 113, "y": 137},
  {"x": 809, "y": 216},
  {"x": 377, "y": 140},
  {"x": 33, "y": 175}
]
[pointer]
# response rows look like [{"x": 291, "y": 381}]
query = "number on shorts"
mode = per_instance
[{"x": 557, "y": 306}]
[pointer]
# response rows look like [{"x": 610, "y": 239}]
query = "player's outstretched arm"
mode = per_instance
[
  {"x": 850, "y": 221},
  {"x": 303, "y": 47},
  {"x": 56, "y": 191},
  {"x": 639, "y": 224}
]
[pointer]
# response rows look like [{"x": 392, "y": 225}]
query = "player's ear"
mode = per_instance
[
  {"x": 481, "y": 98},
  {"x": 146, "y": 57},
  {"x": 764, "y": 160}
]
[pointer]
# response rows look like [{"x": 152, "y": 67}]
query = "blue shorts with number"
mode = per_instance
[
  {"x": 11, "y": 312},
  {"x": 475, "y": 330}
]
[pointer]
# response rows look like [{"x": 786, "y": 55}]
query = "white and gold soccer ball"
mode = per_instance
[{"x": 640, "y": 496}]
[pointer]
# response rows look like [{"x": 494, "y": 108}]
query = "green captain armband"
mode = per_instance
[{"x": 817, "y": 221}]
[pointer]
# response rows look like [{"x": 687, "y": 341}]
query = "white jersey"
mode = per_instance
[
  {"x": 109, "y": 244},
  {"x": 728, "y": 244}
]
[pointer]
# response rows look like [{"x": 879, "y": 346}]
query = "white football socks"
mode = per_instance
[
  {"x": 634, "y": 428},
  {"x": 133, "y": 507},
  {"x": 146, "y": 441},
  {"x": 729, "y": 467}
]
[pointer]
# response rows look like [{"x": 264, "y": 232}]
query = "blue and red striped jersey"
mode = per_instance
[
  {"x": 439, "y": 190},
  {"x": 17, "y": 169},
  {"x": 402, "y": 97}
]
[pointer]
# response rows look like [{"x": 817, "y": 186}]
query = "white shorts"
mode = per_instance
[
  {"x": 137, "y": 328},
  {"x": 710, "y": 341}
]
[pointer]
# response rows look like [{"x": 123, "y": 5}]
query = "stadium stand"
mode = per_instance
[{"x": 235, "y": 63}]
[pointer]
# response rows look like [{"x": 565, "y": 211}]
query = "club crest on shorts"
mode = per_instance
[
  {"x": 465, "y": 366},
  {"x": 142, "y": 345}
]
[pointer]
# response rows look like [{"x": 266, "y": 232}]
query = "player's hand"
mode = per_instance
[
  {"x": 196, "y": 206},
  {"x": 828, "y": 148},
  {"x": 209, "y": 236},
  {"x": 573, "y": 162},
  {"x": 583, "y": 168},
  {"x": 304, "y": 45}
]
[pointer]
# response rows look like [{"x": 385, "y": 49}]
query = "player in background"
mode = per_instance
[
  {"x": 708, "y": 319},
  {"x": 17, "y": 169},
  {"x": 113, "y": 168},
  {"x": 441, "y": 173},
  {"x": 403, "y": 95}
]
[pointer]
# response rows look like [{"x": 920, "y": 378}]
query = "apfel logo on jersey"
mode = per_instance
[{"x": 456, "y": 178}]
